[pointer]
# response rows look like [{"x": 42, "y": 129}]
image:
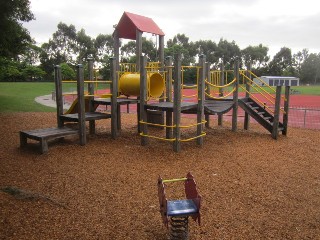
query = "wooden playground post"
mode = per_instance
[
  {"x": 220, "y": 116},
  {"x": 177, "y": 103},
  {"x": 81, "y": 105},
  {"x": 143, "y": 96},
  {"x": 114, "y": 92},
  {"x": 58, "y": 89},
  {"x": 235, "y": 97},
  {"x": 286, "y": 111},
  {"x": 200, "y": 106},
  {"x": 138, "y": 47},
  {"x": 169, "y": 96},
  {"x": 161, "y": 51},
  {"x": 275, "y": 124},
  {"x": 207, "y": 90},
  {"x": 246, "y": 115},
  {"x": 92, "y": 127},
  {"x": 116, "y": 47}
]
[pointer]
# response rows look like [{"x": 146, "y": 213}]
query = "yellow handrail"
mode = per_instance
[
  {"x": 257, "y": 99},
  {"x": 159, "y": 138},
  {"x": 174, "y": 180},
  {"x": 193, "y": 125},
  {"x": 158, "y": 125},
  {"x": 87, "y": 81},
  {"x": 190, "y": 139},
  {"x": 221, "y": 97},
  {"x": 259, "y": 87},
  {"x": 221, "y": 86}
]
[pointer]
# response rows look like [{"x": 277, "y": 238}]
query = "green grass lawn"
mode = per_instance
[
  {"x": 19, "y": 97},
  {"x": 303, "y": 90}
]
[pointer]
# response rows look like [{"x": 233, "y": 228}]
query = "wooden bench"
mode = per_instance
[{"x": 45, "y": 135}]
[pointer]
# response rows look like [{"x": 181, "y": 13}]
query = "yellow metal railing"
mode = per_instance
[
  {"x": 173, "y": 126},
  {"x": 269, "y": 98}
]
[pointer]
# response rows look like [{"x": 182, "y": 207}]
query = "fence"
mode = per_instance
[{"x": 304, "y": 117}]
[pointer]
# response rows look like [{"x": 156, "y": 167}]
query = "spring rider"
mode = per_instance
[{"x": 175, "y": 213}]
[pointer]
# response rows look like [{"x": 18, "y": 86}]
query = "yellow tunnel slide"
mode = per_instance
[{"x": 129, "y": 84}]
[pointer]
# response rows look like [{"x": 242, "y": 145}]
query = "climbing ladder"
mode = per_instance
[
  {"x": 267, "y": 109},
  {"x": 259, "y": 113}
]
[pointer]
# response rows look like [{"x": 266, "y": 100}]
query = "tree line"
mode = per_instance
[{"x": 21, "y": 59}]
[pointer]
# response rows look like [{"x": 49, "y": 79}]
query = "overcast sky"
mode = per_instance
[{"x": 274, "y": 23}]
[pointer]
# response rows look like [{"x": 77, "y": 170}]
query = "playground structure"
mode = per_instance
[
  {"x": 175, "y": 213},
  {"x": 158, "y": 88},
  {"x": 209, "y": 102}
]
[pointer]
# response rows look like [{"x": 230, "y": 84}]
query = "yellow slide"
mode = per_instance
[{"x": 74, "y": 106}]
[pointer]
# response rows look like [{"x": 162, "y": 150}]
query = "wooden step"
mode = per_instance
[
  {"x": 261, "y": 113},
  {"x": 44, "y": 135}
]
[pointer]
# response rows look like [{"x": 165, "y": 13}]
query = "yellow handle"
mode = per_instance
[{"x": 174, "y": 180}]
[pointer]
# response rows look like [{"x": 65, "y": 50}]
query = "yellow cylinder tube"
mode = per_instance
[{"x": 129, "y": 84}]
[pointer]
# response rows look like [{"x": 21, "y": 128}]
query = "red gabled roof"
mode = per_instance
[{"x": 130, "y": 22}]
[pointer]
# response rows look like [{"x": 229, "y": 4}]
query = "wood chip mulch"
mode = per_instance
[{"x": 252, "y": 186}]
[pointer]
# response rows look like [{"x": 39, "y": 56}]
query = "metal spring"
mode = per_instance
[{"x": 179, "y": 228}]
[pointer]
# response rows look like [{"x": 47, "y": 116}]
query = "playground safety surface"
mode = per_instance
[{"x": 253, "y": 187}]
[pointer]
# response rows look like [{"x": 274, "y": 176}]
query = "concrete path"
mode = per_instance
[{"x": 48, "y": 101}]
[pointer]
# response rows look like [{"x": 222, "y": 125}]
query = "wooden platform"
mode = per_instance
[
  {"x": 212, "y": 107},
  {"x": 120, "y": 101},
  {"x": 168, "y": 106},
  {"x": 45, "y": 135},
  {"x": 89, "y": 116}
]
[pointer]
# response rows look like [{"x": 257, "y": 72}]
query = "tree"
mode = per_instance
[
  {"x": 63, "y": 44},
  {"x": 67, "y": 72},
  {"x": 14, "y": 38},
  {"x": 31, "y": 55},
  {"x": 33, "y": 73},
  {"x": 128, "y": 50},
  {"x": 180, "y": 45},
  {"x": 84, "y": 45},
  {"x": 257, "y": 55},
  {"x": 208, "y": 48},
  {"x": 62, "y": 47},
  {"x": 281, "y": 64},
  {"x": 104, "y": 46},
  {"x": 10, "y": 70},
  {"x": 228, "y": 52},
  {"x": 299, "y": 58},
  {"x": 310, "y": 69}
]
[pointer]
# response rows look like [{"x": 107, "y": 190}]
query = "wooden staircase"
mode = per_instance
[{"x": 260, "y": 114}]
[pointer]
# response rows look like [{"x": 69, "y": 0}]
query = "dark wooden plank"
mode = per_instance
[
  {"x": 119, "y": 101},
  {"x": 88, "y": 116},
  {"x": 169, "y": 106},
  {"x": 44, "y": 135},
  {"x": 217, "y": 107},
  {"x": 48, "y": 133}
]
